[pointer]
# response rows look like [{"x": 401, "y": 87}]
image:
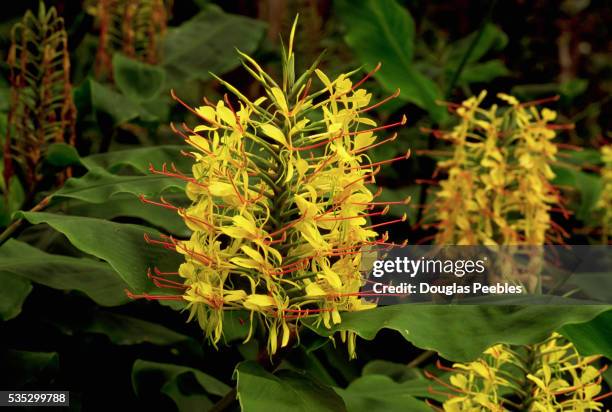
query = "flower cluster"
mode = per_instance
[
  {"x": 500, "y": 173},
  {"x": 549, "y": 376},
  {"x": 132, "y": 27},
  {"x": 605, "y": 201},
  {"x": 41, "y": 107},
  {"x": 280, "y": 207}
]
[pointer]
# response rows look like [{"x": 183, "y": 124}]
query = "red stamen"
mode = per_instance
[
  {"x": 152, "y": 297},
  {"x": 363, "y": 149},
  {"x": 540, "y": 101},
  {"x": 376, "y": 129},
  {"x": 382, "y": 162},
  {"x": 380, "y": 103},
  {"x": 175, "y": 173},
  {"x": 192, "y": 110},
  {"x": 367, "y": 76},
  {"x": 402, "y": 219},
  {"x": 163, "y": 203},
  {"x": 314, "y": 146}
]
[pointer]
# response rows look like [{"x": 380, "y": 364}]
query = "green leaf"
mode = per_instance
[
  {"x": 97, "y": 280},
  {"x": 189, "y": 388},
  {"x": 206, "y": 44},
  {"x": 396, "y": 371},
  {"x": 483, "y": 72},
  {"x": 593, "y": 337},
  {"x": 378, "y": 392},
  {"x": 440, "y": 328},
  {"x": 117, "y": 106},
  {"x": 127, "y": 205},
  {"x": 383, "y": 31},
  {"x": 259, "y": 390},
  {"x": 140, "y": 159},
  {"x": 491, "y": 38},
  {"x": 23, "y": 367},
  {"x": 98, "y": 186},
  {"x": 137, "y": 80},
  {"x": 121, "y": 245},
  {"x": 62, "y": 155},
  {"x": 120, "y": 108},
  {"x": 13, "y": 294},
  {"x": 120, "y": 329}
]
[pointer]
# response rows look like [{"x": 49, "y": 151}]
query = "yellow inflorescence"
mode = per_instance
[
  {"x": 280, "y": 204},
  {"x": 547, "y": 377},
  {"x": 605, "y": 201},
  {"x": 499, "y": 173}
]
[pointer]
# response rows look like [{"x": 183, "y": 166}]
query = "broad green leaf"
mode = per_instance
[
  {"x": 20, "y": 368},
  {"x": 189, "y": 388},
  {"x": 206, "y": 43},
  {"x": 121, "y": 245},
  {"x": 62, "y": 154},
  {"x": 120, "y": 108},
  {"x": 259, "y": 390},
  {"x": 127, "y": 205},
  {"x": 99, "y": 186},
  {"x": 491, "y": 38},
  {"x": 396, "y": 371},
  {"x": 120, "y": 329},
  {"x": 472, "y": 328},
  {"x": 235, "y": 325},
  {"x": 383, "y": 31},
  {"x": 22, "y": 262},
  {"x": 117, "y": 106},
  {"x": 483, "y": 72},
  {"x": 13, "y": 293},
  {"x": 137, "y": 80},
  {"x": 593, "y": 337},
  {"x": 379, "y": 392},
  {"x": 141, "y": 158}
]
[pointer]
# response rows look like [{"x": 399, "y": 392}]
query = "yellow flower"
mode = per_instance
[
  {"x": 280, "y": 207},
  {"x": 499, "y": 175},
  {"x": 553, "y": 378}
]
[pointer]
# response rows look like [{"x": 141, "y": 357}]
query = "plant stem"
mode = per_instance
[
  {"x": 421, "y": 358},
  {"x": 225, "y": 402},
  {"x": 10, "y": 229}
]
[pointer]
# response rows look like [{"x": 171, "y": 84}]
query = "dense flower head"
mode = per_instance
[
  {"x": 550, "y": 376},
  {"x": 280, "y": 203},
  {"x": 500, "y": 173}
]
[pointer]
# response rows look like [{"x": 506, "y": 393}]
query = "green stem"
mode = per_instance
[
  {"x": 10, "y": 229},
  {"x": 225, "y": 402}
]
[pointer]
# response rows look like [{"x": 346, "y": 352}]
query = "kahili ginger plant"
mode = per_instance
[
  {"x": 280, "y": 207},
  {"x": 546, "y": 377},
  {"x": 41, "y": 111},
  {"x": 498, "y": 189},
  {"x": 498, "y": 192},
  {"x": 132, "y": 27}
]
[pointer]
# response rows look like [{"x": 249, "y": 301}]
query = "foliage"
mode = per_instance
[{"x": 269, "y": 192}]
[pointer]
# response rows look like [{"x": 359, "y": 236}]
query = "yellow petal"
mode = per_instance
[
  {"x": 274, "y": 133},
  {"x": 279, "y": 97}
]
